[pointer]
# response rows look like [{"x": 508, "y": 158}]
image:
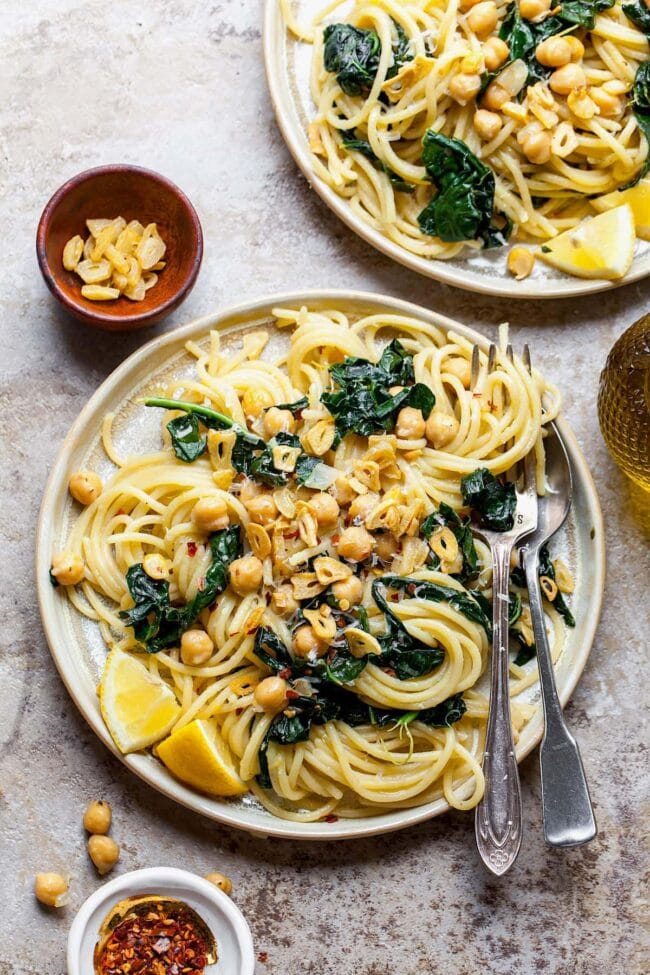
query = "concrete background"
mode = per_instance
[{"x": 178, "y": 86}]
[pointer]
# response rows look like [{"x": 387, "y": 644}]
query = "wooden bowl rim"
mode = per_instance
[{"x": 105, "y": 317}]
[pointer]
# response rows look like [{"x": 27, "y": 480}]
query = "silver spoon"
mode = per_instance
[{"x": 568, "y": 814}]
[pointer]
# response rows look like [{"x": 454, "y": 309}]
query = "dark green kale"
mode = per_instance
[
  {"x": 354, "y": 144},
  {"x": 526, "y": 651},
  {"x": 53, "y": 580},
  {"x": 294, "y": 408},
  {"x": 641, "y": 108},
  {"x": 187, "y": 441},
  {"x": 362, "y": 403},
  {"x": 463, "y": 207},
  {"x": 353, "y": 53},
  {"x": 446, "y": 517},
  {"x": 582, "y": 13},
  {"x": 263, "y": 469},
  {"x": 639, "y": 14},
  {"x": 156, "y": 623},
  {"x": 246, "y": 446},
  {"x": 494, "y": 502}
]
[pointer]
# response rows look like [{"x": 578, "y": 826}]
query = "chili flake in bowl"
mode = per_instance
[
  {"x": 160, "y": 921},
  {"x": 154, "y": 934}
]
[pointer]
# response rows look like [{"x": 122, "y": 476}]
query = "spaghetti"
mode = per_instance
[{"x": 349, "y": 570}]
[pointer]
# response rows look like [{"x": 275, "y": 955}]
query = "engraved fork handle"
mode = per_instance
[
  {"x": 498, "y": 815},
  {"x": 568, "y": 814}
]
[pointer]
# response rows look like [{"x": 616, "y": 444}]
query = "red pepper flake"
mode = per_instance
[
  {"x": 262, "y": 956},
  {"x": 291, "y": 694},
  {"x": 154, "y": 944},
  {"x": 285, "y": 672},
  {"x": 336, "y": 539},
  {"x": 291, "y": 535},
  {"x": 411, "y": 589},
  {"x": 389, "y": 671},
  {"x": 191, "y": 549},
  {"x": 120, "y": 511},
  {"x": 330, "y": 818}
]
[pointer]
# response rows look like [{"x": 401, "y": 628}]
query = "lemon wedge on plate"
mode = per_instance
[
  {"x": 599, "y": 247},
  {"x": 638, "y": 198},
  {"x": 138, "y": 707},
  {"x": 198, "y": 756}
]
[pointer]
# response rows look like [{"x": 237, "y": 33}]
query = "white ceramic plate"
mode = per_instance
[
  {"x": 75, "y": 642},
  {"x": 222, "y": 916},
  {"x": 287, "y": 61}
]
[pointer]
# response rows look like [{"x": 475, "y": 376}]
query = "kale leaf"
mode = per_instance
[
  {"x": 469, "y": 605},
  {"x": 262, "y": 467},
  {"x": 494, "y": 502},
  {"x": 155, "y": 622},
  {"x": 583, "y": 12},
  {"x": 639, "y": 14},
  {"x": 443, "y": 715},
  {"x": 545, "y": 568},
  {"x": 446, "y": 517},
  {"x": 353, "y": 143},
  {"x": 641, "y": 107},
  {"x": 294, "y": 408},
  {"x": 246, "y": 444},
  {"x": 353, "y": 53},
  {"x": 187, "y": 441},
  {"x": 463, "y": 207},
  {"x": 362, "y": 403}
]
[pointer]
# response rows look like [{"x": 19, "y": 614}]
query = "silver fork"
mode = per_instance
[{"x": 498, "y": 821}]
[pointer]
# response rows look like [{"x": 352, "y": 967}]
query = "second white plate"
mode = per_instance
[{"x": 287, "y": 61}]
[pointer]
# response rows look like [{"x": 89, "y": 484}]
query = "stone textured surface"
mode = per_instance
[{"x": 179, "y": 86}]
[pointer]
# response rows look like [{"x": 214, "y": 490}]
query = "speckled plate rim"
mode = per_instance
[
  {"x": 67, "y": 658},
  {"x": 493, "y": 282}
]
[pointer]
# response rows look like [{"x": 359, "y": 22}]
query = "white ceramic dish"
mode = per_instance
[
  {"x": 223, "y": 917},
  {"x": 77, "y": 646},
  {"x": 287, "y": 61}
]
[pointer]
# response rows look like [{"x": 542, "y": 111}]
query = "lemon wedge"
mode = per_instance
[
  {"x": 639, "y": 199},
  {"x": 599, "y": 247},
  {"x": 198, "y": 755},
  {"x": 138, "y": 707}
]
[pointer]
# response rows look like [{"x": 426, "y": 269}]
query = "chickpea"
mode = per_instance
[
  {"x": 51, "y": 889},
  {"x": 410, "y": 424},
  {"x": 271, "y": 694},
  {"x": 278, "y": 421},
  {"x": 68, "y": 569},
  {"x": 342, "y": 491},
  {"x": 196, "y": 647},
  {"x": 362, "y": 505},
  {"x": 157, "y": 566},
  {"x": 104, "y": 852},
  {"x": 307, "y": 644},
  {"x": 520, "y": 262},
  {"x": 464, "y": 87},
  {"x": 495, "y": 96},
  {"x": 245, "y": 574},
  {"x": 482, "y": 19},
  {"x": 221, "y": 881},
  {"x": 567, "y": 79},
  {"x": 537, "y": 147},
  {"x": 262, "y": 509},
  {"x": 255, "y": 401},
  {"x": 355, "y": 544},
  {"x": 495, "y": 53},
  {"x": 325, "y": 508},
  {"x": 577, "y": 47},
  {"x": 386, "y": 547},
  {"x": 210, "y": 514},
  {"x": 97, "y": 817},
  {"x": 532, "y": 9},
  {"x": 461, "y": 369},
  {"x": 487, "y": 124},
  {"x": 85, "y": 486},
  {"x": 554, "y": 52},
  {"x": 348, "y": 592},
  {"x": 441, "y": 429},
  {"x": 609, "y": 105},
  {"x": 283, "y": 601}
]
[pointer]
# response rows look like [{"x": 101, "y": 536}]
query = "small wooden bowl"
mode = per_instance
[{"x": 135, "y": 194}]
